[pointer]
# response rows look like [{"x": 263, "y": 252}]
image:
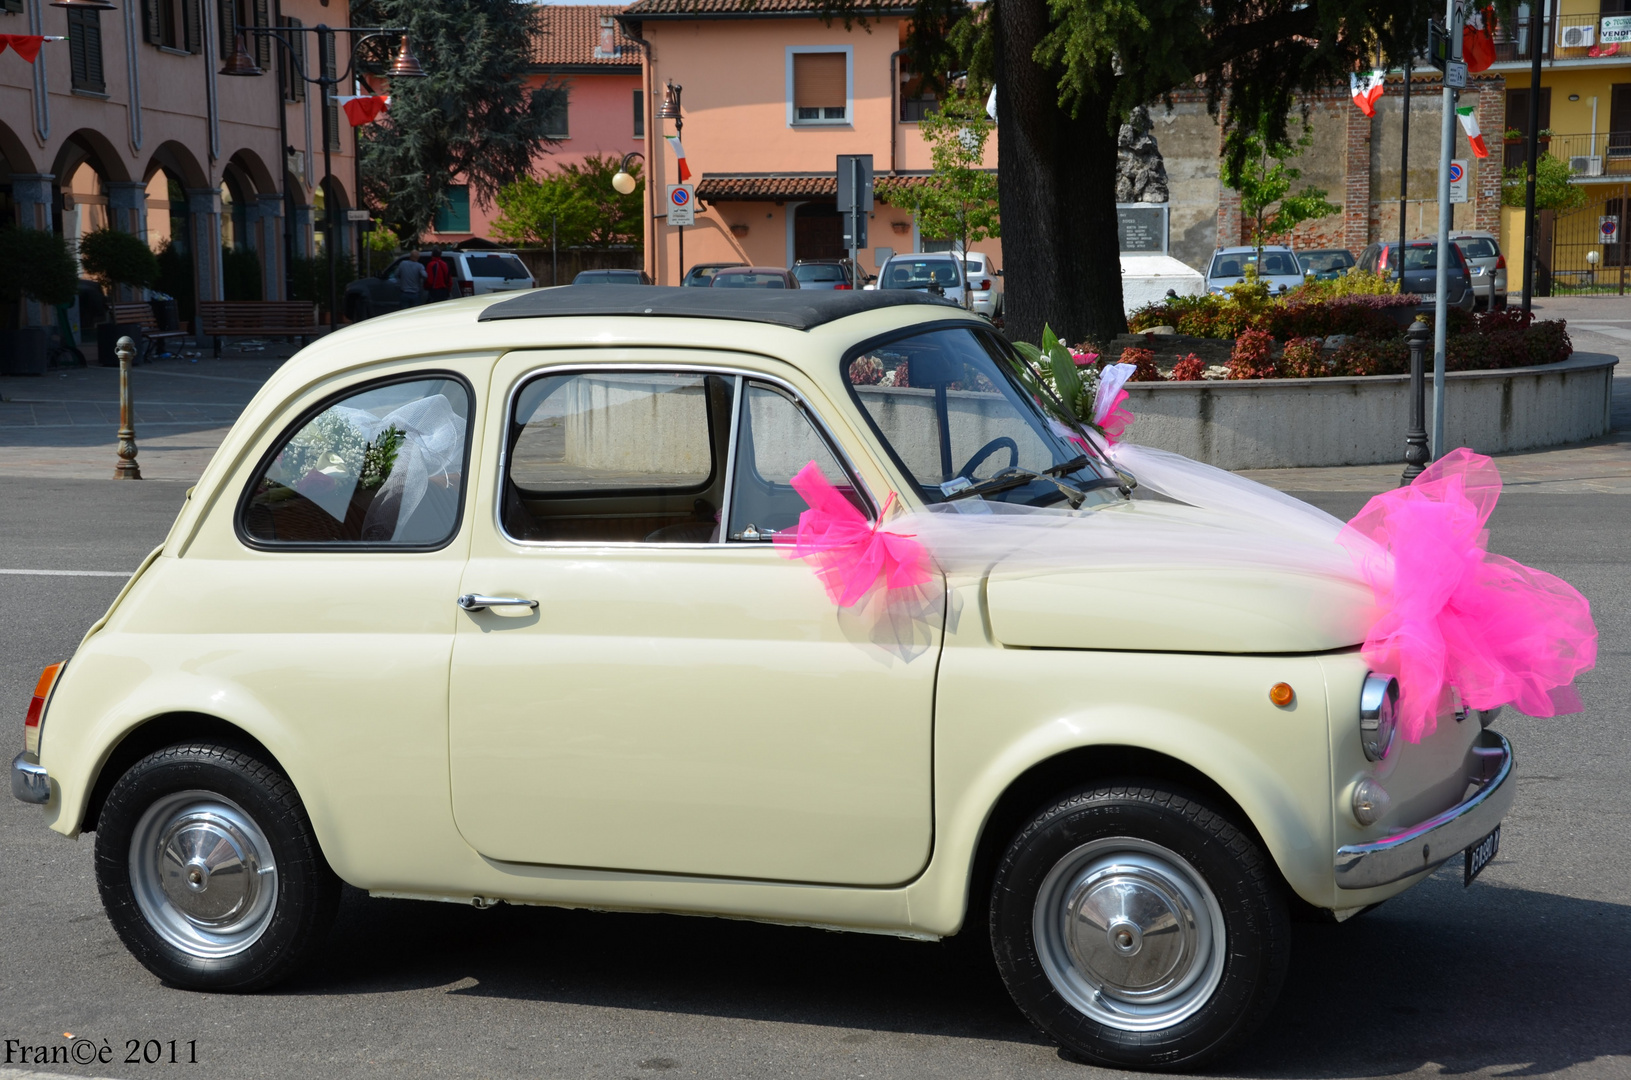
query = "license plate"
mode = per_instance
[
  {"x": 1429, "y": 298},
  {"x": 1481, "y": 855}
]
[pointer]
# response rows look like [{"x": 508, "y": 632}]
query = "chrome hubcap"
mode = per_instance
[
  {"x": 203, "y": 874},
  {"x": 1129, "y": 933}
]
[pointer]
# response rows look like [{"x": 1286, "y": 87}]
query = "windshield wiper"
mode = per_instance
[{"x": 1015, "y": 477}]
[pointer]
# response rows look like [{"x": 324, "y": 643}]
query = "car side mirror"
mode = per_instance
[{"x": 997, "y": 272}]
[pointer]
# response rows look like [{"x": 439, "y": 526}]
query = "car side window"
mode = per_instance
[
  {"x": 775, "y": 439},
  {"x": 618, "y": 457},
  {"x": 383, "y": 466}
]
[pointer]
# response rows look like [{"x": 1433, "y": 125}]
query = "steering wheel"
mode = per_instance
[{"x": 999, "y": 443}]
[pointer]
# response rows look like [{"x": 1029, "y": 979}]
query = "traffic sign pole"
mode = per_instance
[{"x": 1441, "y": 307}]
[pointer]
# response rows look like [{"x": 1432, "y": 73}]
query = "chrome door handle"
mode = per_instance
[{"x": 478, "y": 602}]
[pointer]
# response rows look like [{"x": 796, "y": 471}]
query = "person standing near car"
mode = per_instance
[
  {"x": 410, "y": 278},
  {"x": 438, "y": 278}
]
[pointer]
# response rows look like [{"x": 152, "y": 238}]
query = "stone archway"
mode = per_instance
[
  {"x": 252, "y": 222},
  {"x": 93, "y": 190},
  {"x": 183, "y": 226},
  {"x": 25, "y": 193}
]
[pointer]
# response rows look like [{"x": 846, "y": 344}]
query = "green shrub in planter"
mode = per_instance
[
  {"x": 35, "y": 264},
  {"x": 114, "y": 257}
]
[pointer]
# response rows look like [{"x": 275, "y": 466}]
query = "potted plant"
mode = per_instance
[
  {"x": 34, "y": 264},
  {"x": 112, "y": 258}
]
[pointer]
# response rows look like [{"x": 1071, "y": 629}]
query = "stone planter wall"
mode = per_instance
[{"x": 1294, "y": 423}]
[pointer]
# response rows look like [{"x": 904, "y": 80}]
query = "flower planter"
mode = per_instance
[{"x": 22, "y": 352}]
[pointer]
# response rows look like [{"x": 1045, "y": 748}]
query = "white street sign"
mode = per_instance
[
  {"x": 358, "y": 215},
  {"x": 1458, "y": 181},
  {"x": 682, "y": 204}
]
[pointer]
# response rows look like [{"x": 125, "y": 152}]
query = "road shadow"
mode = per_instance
[{"x": 1487, "y": 979}]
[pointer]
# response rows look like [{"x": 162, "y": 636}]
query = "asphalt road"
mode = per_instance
[{"x": 1527, "y": 973}]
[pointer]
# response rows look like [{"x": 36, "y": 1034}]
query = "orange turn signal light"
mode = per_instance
[
  {"x": 36, "y": 708},
  {"x": 1282, "y": 694}
]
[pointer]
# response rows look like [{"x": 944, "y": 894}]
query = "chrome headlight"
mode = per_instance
[{"x": 1378, "y": 714}]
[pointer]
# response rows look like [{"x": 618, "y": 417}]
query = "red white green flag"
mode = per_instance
[{"x": 1475, "y": 135}]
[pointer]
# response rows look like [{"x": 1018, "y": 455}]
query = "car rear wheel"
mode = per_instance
[
  {"x": 1139, "y": 927},
  {"x": 209, "y": 869}
]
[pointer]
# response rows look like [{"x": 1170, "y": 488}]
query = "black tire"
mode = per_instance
[
  {"x": 249, "y": 837},
  {"x": 1110, "y": 843}
]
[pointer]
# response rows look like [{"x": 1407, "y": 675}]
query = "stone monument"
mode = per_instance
[{"x": 1141, "y": 175}]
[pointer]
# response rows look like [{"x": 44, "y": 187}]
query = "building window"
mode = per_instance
[
  {"x": 819, "y": 85},
  {"x": 85, "y": 49},
  {"x": 453, "y": 215},
  {"x": 553, "y": 101},
  {"x": 290, "y": 69},
  {"x": 639, "y": 114}
]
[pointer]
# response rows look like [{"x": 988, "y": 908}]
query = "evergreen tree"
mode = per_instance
[
  {"x": 1069, "y": 71},
  {"x": 473, "y": 119}
]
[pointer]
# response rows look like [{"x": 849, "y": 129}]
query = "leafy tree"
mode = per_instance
[
  {"x": 473, "y": 118},
  {"x": 1069, "y": 71},
  {"x": 1554, "y": 185},
  {"x": 114, "y": 257},
  {"x": 1264, "y": 179},
  {"x": 960, "y": 201},
  {"x": 577, "y": 202}
]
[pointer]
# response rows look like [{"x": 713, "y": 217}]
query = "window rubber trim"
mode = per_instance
[{"x": 306, "y": 417}]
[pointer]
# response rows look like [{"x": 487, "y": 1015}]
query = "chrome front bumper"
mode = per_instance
[
  {"x": 29, "y": 780},
  {"x": 1440, "y": 838}
]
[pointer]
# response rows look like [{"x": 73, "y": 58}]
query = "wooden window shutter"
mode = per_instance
[
  {"x": 85, "y": 50},
  {"x": 192, "y": 17},
  {"x": 76, "y": 47},
  {"x": 819, "y": 80},
  {"x": 153, "y": 21},
  {"x": 263, "y": 42},
  {"x": 299, "y": 44},
  {"x": 327, "y": 50},
  {"x": 226, "y": 17}
]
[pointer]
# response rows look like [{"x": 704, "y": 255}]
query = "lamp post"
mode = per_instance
[
  {"x": 624, "y": 182},
  {"x": 671, "y": 111},
  {"x": 1416, "y": 454},
  {"x": 404, "y": 66}
]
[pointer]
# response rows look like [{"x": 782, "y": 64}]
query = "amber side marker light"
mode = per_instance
[
  {"x": 1282, "y": 694},
  {"x": 36, "y": 707}
]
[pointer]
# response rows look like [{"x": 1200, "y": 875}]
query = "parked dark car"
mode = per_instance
[
  {"x": 825, "y": 274},
  {"x": 755, "y": 277},
  {"x": 702, "y": 274},
  {"x": 611, "y": 277},
  {"x": 1327, "y": 265},
  {"x": 1421, "y": 271}
]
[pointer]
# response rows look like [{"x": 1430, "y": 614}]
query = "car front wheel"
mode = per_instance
[
  {"x": 209, "y": 869},
  {"x": 1139, "y": 927}
]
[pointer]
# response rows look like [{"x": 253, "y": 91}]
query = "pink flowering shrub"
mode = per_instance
[
  {"x": 1302, "y": 359},
  {"x": 1253, "y": 356},
  {"x": 1190, "y": 368}
]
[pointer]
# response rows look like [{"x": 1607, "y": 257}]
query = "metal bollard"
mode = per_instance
[
  {"x": 1416, "y": 453},
  {"x": 127, "y": 469}
]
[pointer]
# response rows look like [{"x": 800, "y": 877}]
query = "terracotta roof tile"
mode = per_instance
[
  {"x": 726, "y": 187},
  {"x": 673, "y": 8},
  {"x": 570, "y": 35}
]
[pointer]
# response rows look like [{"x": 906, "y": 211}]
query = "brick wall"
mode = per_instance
[
  {"x": 1356, "y": 206},
  {"x": 1487, "y": 180}
]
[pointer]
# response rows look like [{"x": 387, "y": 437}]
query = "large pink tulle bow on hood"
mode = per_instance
[
  {"x": 1454, "y": 616},
  {"x": 1110, "y": 415},
  {"x": 849, "y": 552}
]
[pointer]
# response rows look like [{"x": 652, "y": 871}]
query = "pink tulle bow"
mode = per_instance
[
  {"x": 1454, "y": 616},
  {"x": 1110, "y": 414},
  {"x": 849, "y": 552},
  {"x": 1117, "y": 419}
]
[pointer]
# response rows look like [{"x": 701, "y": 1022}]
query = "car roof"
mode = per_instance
[
  {"x": 795, "y": 309},
  {"x": 1247, "y": 248}
]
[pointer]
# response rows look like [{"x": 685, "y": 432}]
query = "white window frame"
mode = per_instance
[{"x": 849, "y": 85}]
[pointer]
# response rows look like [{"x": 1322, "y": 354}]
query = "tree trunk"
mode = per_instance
[{"x": 1057, "y": 175}]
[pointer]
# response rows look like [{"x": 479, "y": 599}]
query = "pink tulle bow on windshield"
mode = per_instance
[
  {"x": 1110, "y": 415},
  {"x": 849, "y": 552},
  {"x": 1451, "y": 615}
]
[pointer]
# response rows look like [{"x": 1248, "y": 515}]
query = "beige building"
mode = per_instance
[{"x": 129, "y": 122}]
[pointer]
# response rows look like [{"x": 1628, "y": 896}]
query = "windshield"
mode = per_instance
[
  {"x": 951, "y": 414},
  {"x": 819, "y": 272},
  {"x": 920, "y": 274},
  {"x": 1323, "y": 262},
  {"x": 1478, "y": 247},
  {"x": 1273, "y": 264},
  {"x": 745, "y": 279}
]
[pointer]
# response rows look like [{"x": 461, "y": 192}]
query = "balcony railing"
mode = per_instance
[
  {"x": 1604, "y": 155},
  {"x": 1565, "y": 37}
]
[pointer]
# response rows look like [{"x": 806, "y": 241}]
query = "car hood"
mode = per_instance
[{"x": 1251, "y": 601}]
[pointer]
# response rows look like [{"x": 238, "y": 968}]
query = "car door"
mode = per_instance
[
  {"x": 683, "y": 698},
  {"x": 383, "y": 291}
]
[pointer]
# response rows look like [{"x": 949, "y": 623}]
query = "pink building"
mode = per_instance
[
  {"x": 771, "y": 96},
  {"x": 582, "y": 52}
]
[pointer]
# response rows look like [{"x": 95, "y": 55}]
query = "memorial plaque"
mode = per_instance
[{"x": 1142, "y": 227}]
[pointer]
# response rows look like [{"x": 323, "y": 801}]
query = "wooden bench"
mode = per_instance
[
  {"x": 141, "y": 315},
  {"x": 257, "y": 318}
]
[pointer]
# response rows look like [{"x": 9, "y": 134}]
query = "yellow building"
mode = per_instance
[{"x": 1585, "y": 120}]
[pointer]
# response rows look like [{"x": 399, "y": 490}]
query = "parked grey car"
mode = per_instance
[
  {"x": 941, "y": 272},
  {"x": 1483, "y": 254},
  {"x": 1421, "y": 271},
  {"x": 1277, "y": 268},
  {"x": 825, "y": 274}
]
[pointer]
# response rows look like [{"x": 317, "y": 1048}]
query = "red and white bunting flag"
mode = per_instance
[
  {"x": 1475, "y": 134},
  {"x": 363, "y": 108},
  {"x": 27, "y": 46},
  {"x": 679, "y": 155},
  {"x": 1365, "y": 91},
  {"x": 1373, "y": 91}
]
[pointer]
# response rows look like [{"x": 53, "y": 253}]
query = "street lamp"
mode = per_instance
[
  {"x": 84, "y": 5},
  {"x": 624, "y": 182},
  {"x": 405, "y": 66},
  {"x": 670, "y": 110}
]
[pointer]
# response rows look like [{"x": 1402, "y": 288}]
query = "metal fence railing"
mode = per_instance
[
  {"x": 1590, "y": 251},
  {"x": 1605, "y": 154}
]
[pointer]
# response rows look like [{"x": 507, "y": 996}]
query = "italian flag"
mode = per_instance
[
  {"x": 1366, "y": 90},
  {"x": 1475, "y": 135},
  {"x": 679, "y": 155}
]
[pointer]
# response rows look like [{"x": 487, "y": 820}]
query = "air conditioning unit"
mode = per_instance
[
  {"x": 1578, "y": 37},
  {"x": 1586, "y": 166}
]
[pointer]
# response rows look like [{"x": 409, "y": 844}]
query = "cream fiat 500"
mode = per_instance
[{"x": 480, "y": 602}]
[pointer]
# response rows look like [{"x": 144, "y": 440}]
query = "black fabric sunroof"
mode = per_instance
[{"x": 798, "y": 309}]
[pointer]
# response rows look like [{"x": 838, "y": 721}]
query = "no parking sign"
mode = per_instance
[
  {"x": 1609, "y": 227},
  {"x": 1458, "y": 181},
  {"x": 682, "y": 201}
]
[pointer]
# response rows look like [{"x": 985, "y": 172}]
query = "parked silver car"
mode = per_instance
[
  {"x": 940, "y": 272},
  {"x": 985, "y": 283},
  {"x": 1277, "y": 268},
  {"x": 1488, "y": 266}
]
